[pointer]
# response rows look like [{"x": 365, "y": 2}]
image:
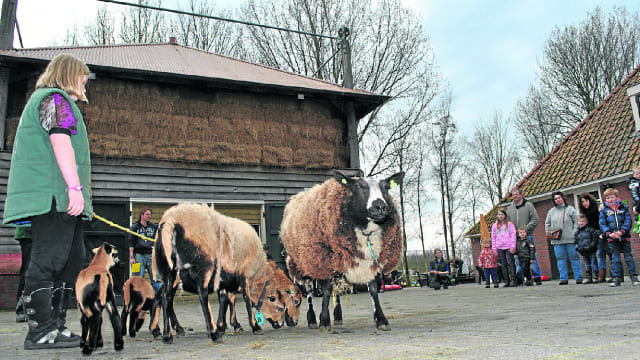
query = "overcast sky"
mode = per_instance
[{"x": 486, "y": 49}]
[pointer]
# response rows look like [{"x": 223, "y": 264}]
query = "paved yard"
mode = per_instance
[{"x": 464, "y": 322}]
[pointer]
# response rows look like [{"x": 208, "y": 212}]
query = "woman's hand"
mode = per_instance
[{"x": 76, "y": 202}]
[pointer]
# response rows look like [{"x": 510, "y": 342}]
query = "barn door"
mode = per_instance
[
  {"x": 273, "y": 218},
  {"x": 97, "y": 232}
]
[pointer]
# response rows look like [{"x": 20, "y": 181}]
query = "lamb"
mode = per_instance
[
  {"x": 139, "y": 301},
  {"x": 94, "y": 292},
  {"x": 292, "y": 297},
  {"x": 346, "y": 225},
  {"x": 211, "y": 252}
]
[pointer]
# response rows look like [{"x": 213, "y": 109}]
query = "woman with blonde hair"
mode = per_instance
[{"x": 48, "y": 187}]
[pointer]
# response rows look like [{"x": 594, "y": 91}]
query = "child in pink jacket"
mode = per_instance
[{"x": 488, "y": 260}]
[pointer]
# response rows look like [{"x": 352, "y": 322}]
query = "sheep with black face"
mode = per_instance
[{"x": 346, "y": 225}]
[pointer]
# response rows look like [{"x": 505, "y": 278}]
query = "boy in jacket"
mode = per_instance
[
  {"x": 615, "y": 224},
  {"x": 586, "y": 240},
  {"x": 526, "y": 251}
]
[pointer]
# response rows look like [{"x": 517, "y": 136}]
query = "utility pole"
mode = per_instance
[
  {"x": 352, "y": 124},
  {"x": 7, "y": 25}
]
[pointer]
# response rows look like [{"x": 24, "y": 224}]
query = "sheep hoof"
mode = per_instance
[
  {"x": 325, "y": 329},
  {"x": 312, "y": 326},
  {"x": 168, "y": 340},
  {"x": 87, "y": 350},
  {"x": 118, "y": 345},
  {"x": 337, "y": 323},
  {"x": 258, "y": 332},
  {"x": 180, "y": 330},
  {"x": 384, "y": 327},
  {"x": 238, "y": 331}
]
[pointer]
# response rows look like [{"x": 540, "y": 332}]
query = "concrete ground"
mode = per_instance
[{"x": 464, "y": 322}]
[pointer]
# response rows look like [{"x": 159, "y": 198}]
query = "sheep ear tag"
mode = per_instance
[
  {"x": 344, "y": 181},
  {"x": 392, "y": 184},
  {"x": 259, "y": 318}
]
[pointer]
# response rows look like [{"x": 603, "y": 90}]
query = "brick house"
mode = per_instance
[{"x": 600, "y": 152}]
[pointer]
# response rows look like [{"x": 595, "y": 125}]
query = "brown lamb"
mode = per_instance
[{"x": 94, "y": 293}]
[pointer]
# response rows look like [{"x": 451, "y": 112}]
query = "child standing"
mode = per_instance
[
  {"x": 615, "y": 224},
  {"x": 586, "y": 240},
  {"x": 526, "y": 251},
  {"x": 488, "y": 260},
  {"x": 633, "y": 183}
]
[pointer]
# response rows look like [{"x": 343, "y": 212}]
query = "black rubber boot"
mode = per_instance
[
  {"x": 505, "y": 276},
  {"x": 20, "y": 315},
  {"x": 60, "y": 302},
  {"x": 43, "y": 332},
  {"x": 512, "y": 275}
]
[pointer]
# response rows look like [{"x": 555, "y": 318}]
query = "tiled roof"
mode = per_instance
[
  {"x": 601, "y": 146},
  {"x": 181, "y": 60}
]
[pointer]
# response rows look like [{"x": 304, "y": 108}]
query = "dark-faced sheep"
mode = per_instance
[
  {"x": 94, "y": 292},
  {"x": 210, "y": 252},
  {"x": 349, "y": 226},
  {"x": 292, "y": 297}
]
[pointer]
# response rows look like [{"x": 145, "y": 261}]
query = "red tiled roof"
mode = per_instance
[
  {"x": 602, "y": 145},
  {"x": 181, "y": 60}
]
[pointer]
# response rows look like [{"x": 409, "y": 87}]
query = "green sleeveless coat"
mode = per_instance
[{"x": 34, "y": 178}]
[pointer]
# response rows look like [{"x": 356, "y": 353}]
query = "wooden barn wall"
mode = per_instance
[{"x": 121, "y": 180}]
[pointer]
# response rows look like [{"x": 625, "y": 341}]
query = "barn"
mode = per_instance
[
  {"x": 599, "y": 153},
  {"x": 169, "y": 124}
]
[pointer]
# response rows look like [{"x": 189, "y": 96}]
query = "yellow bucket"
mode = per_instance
[{"x": 135, "y": 267}]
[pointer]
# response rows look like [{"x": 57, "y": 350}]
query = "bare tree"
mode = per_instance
[
  {"x": 496, "y": 156},
  {"x": 538, "y": 130},
  {"x": 584, "y": 63},
  {"x": 140, "y": 25},
  {"x": 206, "y": 34},
  {"x": 390, "y": 55},
  {"x": 101, "y": 32},
  {"x": 447, "y": 161}
]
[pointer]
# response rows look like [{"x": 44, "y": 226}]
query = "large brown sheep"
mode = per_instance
[
  {"x": 346, "y": 225},
  {"x": 212, "y": 252}
]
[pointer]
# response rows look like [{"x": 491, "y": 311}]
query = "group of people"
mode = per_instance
[
  {"x": 512, "y": 246},
  {"x": 595, "y": 232}
]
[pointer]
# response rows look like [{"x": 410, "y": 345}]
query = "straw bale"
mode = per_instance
[
  {"x": 331, "y": 134},
  {"x": 277, "y": 156},
  {"x": 313, "y": 158}
]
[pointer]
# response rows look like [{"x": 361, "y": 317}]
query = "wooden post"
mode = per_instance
[
  {"x": 352, "y": 123},
  {"x": 8, "y": 22},
  {"x": 7, "y": 25}
]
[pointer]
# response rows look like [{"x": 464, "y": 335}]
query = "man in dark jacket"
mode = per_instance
[
  {"x": 439, "y": 271},
  {"x": 140, "y": 249},
  {"x": 522, "y": 213}
]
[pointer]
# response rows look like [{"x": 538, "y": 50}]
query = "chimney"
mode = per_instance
[
  {"x": 634, "y": 96},
  {"x": 173, "y": 40}
]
